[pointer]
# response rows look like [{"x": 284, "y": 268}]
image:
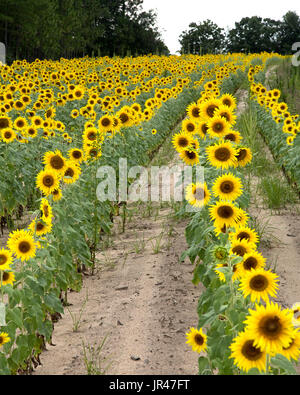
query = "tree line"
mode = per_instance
[
  {"x": 250, "y": 35},
  {"x": 53, "y": 29}
]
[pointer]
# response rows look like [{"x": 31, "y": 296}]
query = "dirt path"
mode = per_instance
[{"x": 141, "y": 299}]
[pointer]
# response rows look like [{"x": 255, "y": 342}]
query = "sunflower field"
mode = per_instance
[{"x": 62, "y": 120}]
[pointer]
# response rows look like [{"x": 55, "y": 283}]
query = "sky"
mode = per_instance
[{"x": 174, "y": 16}]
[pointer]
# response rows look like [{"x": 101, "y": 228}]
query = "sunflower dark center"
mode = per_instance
[
  {"x": 199, "y": 193},
  {"x": 77, "y": 154},
  {"x": 251, "y": 352},
  {"x": 24, "y": 247},
  {"x": 204, "y": 128},
  {"x": 48, "y": 181},
  {"x": 20, "y": 123},
  {"x": 190, "y": 127},
  {"x": 3, "y": 259},
  {"x": 91, "y": 136},
  {"x": 69, "y": 172},
  {"x": 195, "y": 112},
  {"x": 222, "y": 154},
  {"x": 211, "y": 110},
  {"x": 243, "y": 236},
  {"x": 190, "y": 154},
  {"x": 124, "y": 118},
  {"x": 270, "y": 326},
  {"x": 7, "y": 135},
  {"x": 227, "y": 186},
  {"x": 3, "y": 123},
  {"x": 250, "y": 263},
  {"x": 242, "y": 154},
  {"x": 199, "y": 339},
  {"x": 105, "y": 122},
  {"x": 57, "y": 162},
  {"x": 227, "y": 102},
  {"x": 225, "y": 212},
  {"x": 218, "y": 127},
  {"x": 39, "y": 226},
  {"x": 183, "y": 142},
  {"x": 258, "y": 283},
  {"x": 239, "y": 250}
]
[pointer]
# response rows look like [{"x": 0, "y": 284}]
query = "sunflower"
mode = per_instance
[
  {"x": 4, "y": 338},
  {"x": 24, "y": 247},
  {"x": 242, "y": 247},
  {"x": 292, "y": 351},
  {"x": 181, "y": 141},
  {"x": 197, "y": 194},
  {"x": 227, "y": 113},
  {"x": 190, "y": 157},
  {"x": 74, "y": 113},
  {"x": 243, "y": 156},
  {"x": 208, "y": 108},
  {"x": 221, "y": 155},
  {"x": 296, "y": 314},
  {"x": 189, "y": 126},
  {"x": 252, "y": 260},
  {"x": 91, "y": 135},
  {"x": 39, "y": 227},
  {"x": 5, "y": 259},
  {"x": 5, "y": 122},
  {"x": 55, "y": 161},
  {"x": 227, "y": 187},
  {"x": 258, "y": 284},
  {"x": 46, "y": 211},
  {"x": 76, "y": 155},
  {"x": 8, "y": 135},
  {"x": 20, "y": 123},
  {"x": 223, "y": 214},
  {"x": 228, "y": 100},
  {"x": 271, "y": 327},
  {"x": 47, "y": 180},
  {"x": 105, "y": 123},
  {"x": 72, "y": 172},
  {"x": 247, "y": 355},
  {"x": 56, "y": 194},
  {"x": 193, "y": 111},
  {"x": 8, "y": 278},
  {"x": 202, "y": 129},
  {"x": 197, "y": 340},
  {"x": 245, "y": 233},
  {"x": 242, "y": 218},
  {"x": 31, "y": 131},
  {"x": 217, "y": 126}
]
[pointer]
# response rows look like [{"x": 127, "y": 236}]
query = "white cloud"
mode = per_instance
[{"x": 174, "y": 16}]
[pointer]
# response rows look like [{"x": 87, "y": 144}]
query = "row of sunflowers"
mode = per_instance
[{"x": 241, "y": 330}]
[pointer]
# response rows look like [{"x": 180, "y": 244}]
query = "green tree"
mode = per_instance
[{"x": 204, "y": 37}]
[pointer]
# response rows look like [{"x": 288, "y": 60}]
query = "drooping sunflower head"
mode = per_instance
[{"x": 46, "y": 211}]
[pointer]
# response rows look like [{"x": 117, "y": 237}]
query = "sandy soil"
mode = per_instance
[{"x": 143, "y": 304}]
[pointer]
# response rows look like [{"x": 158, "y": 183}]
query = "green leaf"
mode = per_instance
[{"x": 280, "y": 361}]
